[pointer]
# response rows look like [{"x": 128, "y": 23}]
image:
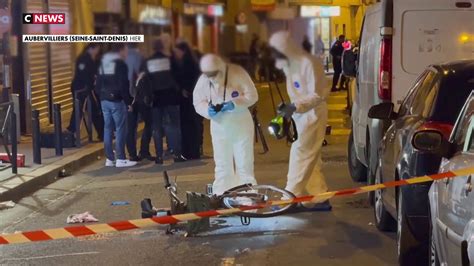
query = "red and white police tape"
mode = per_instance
[{"x": 77, "y": 231}]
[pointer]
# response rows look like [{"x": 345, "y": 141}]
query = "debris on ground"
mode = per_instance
[
  {"x": 120, "y": 203},
  {"x": 63, "y": 173},
  {"x": 371, "y": 224},
  {"x": 243, "y": 251},
  {"x": 7, "y": 205},
  {"x": 85, "y": 217}
]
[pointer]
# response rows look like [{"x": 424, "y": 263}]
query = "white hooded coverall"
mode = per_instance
[
  {"x": 232, "y": 132},
  {"x": 307, "y": 87}
]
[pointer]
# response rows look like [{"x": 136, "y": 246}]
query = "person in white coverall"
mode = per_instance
[
  {"x": 232, "y": 128},
  {"x": 307, "y": 88}
]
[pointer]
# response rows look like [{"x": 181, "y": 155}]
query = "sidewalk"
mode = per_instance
[{"x": 33, "y": 176}]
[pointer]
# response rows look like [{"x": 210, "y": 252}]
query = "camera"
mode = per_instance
[{"x": 217, "y": 107}]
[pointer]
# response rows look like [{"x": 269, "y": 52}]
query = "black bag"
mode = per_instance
[{"x": 48, "y": 140}]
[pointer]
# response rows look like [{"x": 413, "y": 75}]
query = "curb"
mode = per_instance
[{"x": 23, "y": 185}]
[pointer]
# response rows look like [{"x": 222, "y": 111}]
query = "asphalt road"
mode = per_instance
[{"x": 345, "y": 236}]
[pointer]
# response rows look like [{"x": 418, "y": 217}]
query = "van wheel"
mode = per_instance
[
  {"x": 383, "y": 220},
  {"x": 410, "y": 251},
  {"x": 357, "y": 170}
]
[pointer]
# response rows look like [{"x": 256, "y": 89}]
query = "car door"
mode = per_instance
[
  {"x": 411, "y": 112},
  {"x": 456, "y": 196}
]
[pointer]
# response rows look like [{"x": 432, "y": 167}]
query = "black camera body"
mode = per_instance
[{"x": 217, "y": 107}]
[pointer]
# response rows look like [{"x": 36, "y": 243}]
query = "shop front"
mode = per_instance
[
  {"x": 200, "y": 25},
  {"x": 318, "y": 20},
  {"x": 152, "y": 21},
  {"x": 47, "y": 67}
]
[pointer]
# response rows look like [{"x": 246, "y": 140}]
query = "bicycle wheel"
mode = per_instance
[{"x": 258, "y": 195}]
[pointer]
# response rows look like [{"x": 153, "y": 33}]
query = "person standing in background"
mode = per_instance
[
  {"x": 84, "y": 78},
  {"x": 319, "y": 48},
  {"x": 113, "y": 87},
  {"x": 307, "y": 46},
  {"x": 253, "y": 53},
  {"x": 336, "y": 52},
  {"x": 140, "y": 110},
  {"x": 160, "y": 70},
  {"x": 187, "y": 74}
]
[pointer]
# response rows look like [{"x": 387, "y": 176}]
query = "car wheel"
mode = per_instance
[
  {"x": 383, "y": 220},
  {"x": 357, "y": 170},
  {"x": 434, "y": 259},
  {"x": 410, "y": 251}
]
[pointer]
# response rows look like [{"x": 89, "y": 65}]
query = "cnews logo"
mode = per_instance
[{"x": 44, "y": 18}]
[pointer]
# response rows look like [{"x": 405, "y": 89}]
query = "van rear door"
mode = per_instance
[{"x": 432, "y": 36}]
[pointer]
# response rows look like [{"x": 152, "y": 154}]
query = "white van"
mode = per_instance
[{"x": 399, "y": 38}]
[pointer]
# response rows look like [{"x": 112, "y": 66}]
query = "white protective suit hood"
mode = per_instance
[
  {"x": 283, "y": 43},
  {"x": 211, "y": 63}
]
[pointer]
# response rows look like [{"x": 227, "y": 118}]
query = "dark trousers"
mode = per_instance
[
  {"x": 145, "y": 113},
  {"x": 192, "y": 130},
  {"x": 96, "y": 114},
  {"x": 337, "y": 74},
  {"x": 167, "y": 122}
]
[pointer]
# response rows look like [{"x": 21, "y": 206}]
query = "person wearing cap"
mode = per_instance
[
  {"x": 223, "y": 94},
  {"x": 308, "y": 91}
]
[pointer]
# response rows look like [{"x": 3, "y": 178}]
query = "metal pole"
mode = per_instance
[
  {"x": 327, "y": 64},
  {"x": 58, "y": 138},
  {"x": 35, "y": 123},
  {"x": 77, "y": 116},
  {"x": 89, "y": 117},
  {"x": 14, "y": 141}
]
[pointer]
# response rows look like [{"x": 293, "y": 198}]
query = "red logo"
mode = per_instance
[{"x": 44, "y": 18}]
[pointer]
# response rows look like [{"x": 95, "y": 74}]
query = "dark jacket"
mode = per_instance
[
  {"x": 161, "y": 82},
  {"x": 112, "y": 81},
  {"x": 337, "y": 50},
  {"x": 84, "y": 76},
  {"x": 187, "y": 73}
]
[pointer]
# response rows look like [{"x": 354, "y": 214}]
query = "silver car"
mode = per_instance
[{"x": 452, "y": 200}]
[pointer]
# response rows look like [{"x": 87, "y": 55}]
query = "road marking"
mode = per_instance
[{"x": 53, "y": 256}]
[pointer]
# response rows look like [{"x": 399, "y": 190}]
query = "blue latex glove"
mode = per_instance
[
  {"x": 211, "y": 112},
  {"x": 228, "y": 106},
  {"x": 287, "y": 110}
]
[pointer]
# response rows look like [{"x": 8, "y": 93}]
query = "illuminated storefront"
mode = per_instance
[
  {"x": 200, "y": 25},
  {"x": 319, "y": 23}
]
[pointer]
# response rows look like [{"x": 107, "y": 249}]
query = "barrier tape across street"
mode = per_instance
[{"x": 77, "y": 231}]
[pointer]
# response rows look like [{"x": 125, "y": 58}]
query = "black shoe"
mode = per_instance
[
  {"x": 179, "y": 159},
  {"x": 159, "y": 160},
  {"x": 334, "y": 90},
  {"x": 147, "y": 208},
  {"x": 135, "y": 158},
  {"x": 147, "y": 156}
]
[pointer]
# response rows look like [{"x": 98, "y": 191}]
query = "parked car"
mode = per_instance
[
  {"x": 452, "y": 200},
  {"x": 399, "y": 38},
  {"x": 433, "y": 103}
]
